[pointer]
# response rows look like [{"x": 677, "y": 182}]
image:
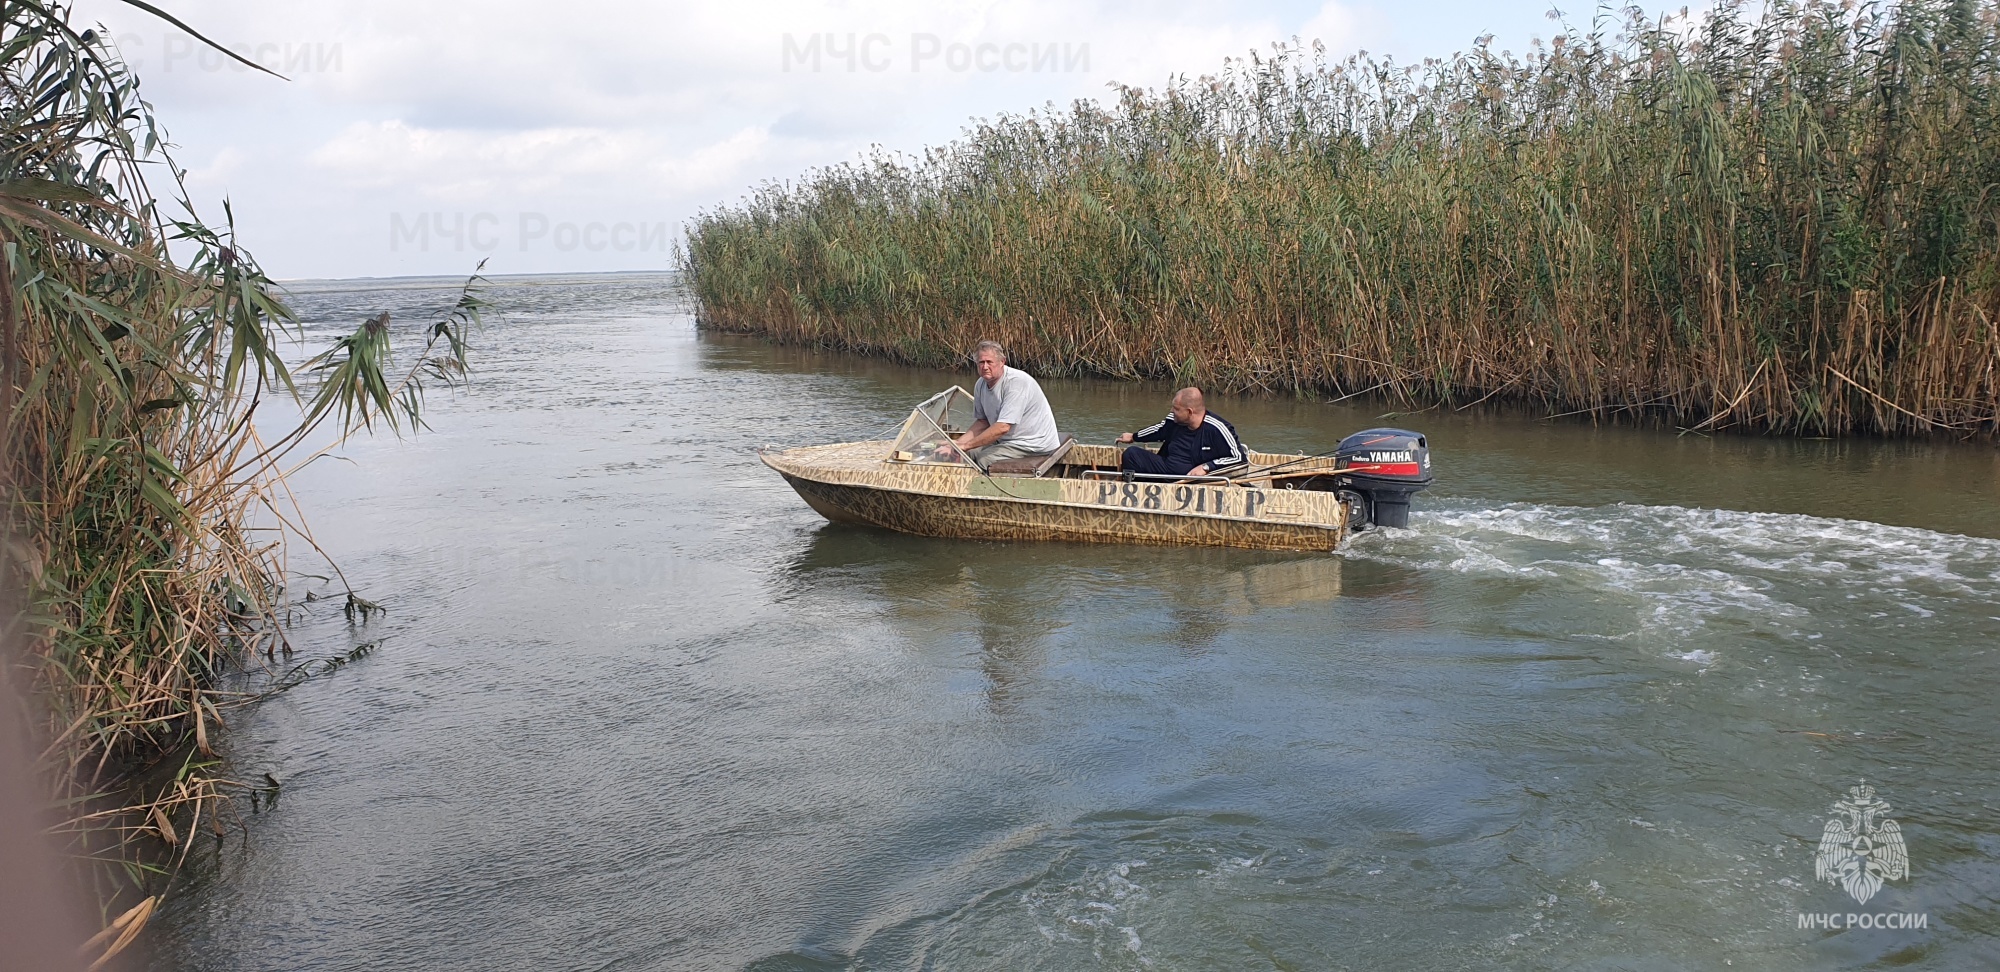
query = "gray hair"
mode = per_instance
[{"x": 993, "y": 346}]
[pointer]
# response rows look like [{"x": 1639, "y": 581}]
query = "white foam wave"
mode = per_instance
[
  {"x": 1094, "y": 910},
  {"x": 1688, "y": 571}
]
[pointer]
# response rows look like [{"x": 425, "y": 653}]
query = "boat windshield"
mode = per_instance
[{"x": 925, "y": 431}]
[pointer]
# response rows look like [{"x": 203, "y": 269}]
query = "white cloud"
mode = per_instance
[{"x": 633, "y": 109}]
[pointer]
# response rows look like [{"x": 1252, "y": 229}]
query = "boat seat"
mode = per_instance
[{"x": 1034, "y": 465}]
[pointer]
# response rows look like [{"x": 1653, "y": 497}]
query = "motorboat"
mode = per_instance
[{"x": 917, "y": 483}]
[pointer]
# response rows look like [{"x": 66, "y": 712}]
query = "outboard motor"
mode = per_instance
[{"x": 1384, "y": 468}]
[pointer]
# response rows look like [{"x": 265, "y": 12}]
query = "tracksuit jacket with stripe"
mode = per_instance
[{"x": 1214, "y": 444}]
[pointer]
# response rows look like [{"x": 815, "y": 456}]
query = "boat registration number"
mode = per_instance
[{"x": 1182, "y": 498}]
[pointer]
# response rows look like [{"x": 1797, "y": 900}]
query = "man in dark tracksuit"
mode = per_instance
[{"x": 1193, "y": 441}]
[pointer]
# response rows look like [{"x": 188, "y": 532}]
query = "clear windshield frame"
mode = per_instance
[{"x": 931, "y": 426}]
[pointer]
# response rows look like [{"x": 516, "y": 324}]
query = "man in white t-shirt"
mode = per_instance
[{"x": 1010, "y": 416}]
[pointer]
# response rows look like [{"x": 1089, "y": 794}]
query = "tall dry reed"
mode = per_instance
[{"x": 1783, "y": 222}]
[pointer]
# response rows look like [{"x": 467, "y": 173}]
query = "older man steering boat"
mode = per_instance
[{"x": 1010, "y": 415}]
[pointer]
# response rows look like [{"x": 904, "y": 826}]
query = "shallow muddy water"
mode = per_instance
[{"x": 635, "y": 706}]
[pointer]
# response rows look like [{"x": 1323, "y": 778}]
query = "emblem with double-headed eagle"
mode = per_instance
[{"x": 1861, "y": 848}]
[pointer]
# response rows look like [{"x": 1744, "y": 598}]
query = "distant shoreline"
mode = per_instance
[{"x": 456, "y": 279}]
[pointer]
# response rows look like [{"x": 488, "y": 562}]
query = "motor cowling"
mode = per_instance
[{"x": 1386, "y": 467}]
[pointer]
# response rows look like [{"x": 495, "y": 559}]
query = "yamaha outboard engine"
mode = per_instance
[{"x": 1384, "y": 468}]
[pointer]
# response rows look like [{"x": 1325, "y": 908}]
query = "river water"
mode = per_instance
[{"x": 635, "y": 706}]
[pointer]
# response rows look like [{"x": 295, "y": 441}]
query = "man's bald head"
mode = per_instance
[{"x": 1188, "y": 408}]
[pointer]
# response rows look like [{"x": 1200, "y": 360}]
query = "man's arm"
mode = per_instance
[
  {"x": 978, "y": 425},
  {"x": 983, "y": 433},
  {"x": 1155, "y": 432},
  {"x": 1235, "y": 456}
]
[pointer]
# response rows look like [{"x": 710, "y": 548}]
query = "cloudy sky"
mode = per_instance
[{"x": 417, "y": 136}]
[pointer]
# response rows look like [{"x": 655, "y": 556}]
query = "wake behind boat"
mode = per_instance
[{"x": 916, "y": 484}]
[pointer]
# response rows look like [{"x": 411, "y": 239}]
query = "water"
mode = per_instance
[{"x": 635, "y": 706}]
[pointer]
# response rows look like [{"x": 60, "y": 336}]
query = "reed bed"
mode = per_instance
[
  {"x": 1782, "y": 221},
  {"x": 137, "y": 348}
]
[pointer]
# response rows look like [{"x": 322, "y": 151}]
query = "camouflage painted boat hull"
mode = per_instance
[{"x": 853, "y": 482}]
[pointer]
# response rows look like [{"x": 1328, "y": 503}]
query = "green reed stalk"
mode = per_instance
[
  {"x": 1782, "y": 223},
  {"x": 132, "y": 464}
]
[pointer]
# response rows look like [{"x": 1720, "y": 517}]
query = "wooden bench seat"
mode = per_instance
[{"x": 1032, "y": 465}]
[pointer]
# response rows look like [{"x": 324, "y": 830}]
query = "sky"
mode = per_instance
[{"x": 417, "y": 137}]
